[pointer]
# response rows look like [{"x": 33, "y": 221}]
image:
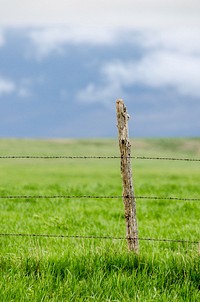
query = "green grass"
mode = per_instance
[{"x": 61, "y": 269}]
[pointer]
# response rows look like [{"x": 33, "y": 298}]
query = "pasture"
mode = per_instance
[{"x": 79, "y": 269}]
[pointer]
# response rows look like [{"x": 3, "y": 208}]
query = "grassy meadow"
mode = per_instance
[{"x": 71, "y": 269}]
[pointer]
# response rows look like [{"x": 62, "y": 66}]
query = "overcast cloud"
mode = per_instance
[
  {"x": 129, "y": 14},
  {"x": 92, "y": 52}
]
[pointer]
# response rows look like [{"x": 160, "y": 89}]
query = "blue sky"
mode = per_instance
[{"x": 63, "y": 64}]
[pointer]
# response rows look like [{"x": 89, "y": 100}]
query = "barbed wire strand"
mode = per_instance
[
  {"x": 97, "y": 157},
  {"x": 96, "y": 197},
  {"x": 96, "y": 237}
]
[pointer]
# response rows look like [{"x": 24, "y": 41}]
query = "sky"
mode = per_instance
[{"x": 63, "y": 64}]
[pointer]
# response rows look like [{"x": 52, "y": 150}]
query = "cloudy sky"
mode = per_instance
[{"x": 63, "y": 64}]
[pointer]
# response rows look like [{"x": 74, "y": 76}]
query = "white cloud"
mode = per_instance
[
  {"x": 51, "y": 39},
  {"x": 183, "y": 40},
  {"x": 6, "y": 86},
  {"x": 21, "y": 89},
  {"x": 54, "y": 39},
  {"x": 158, "y": 70},
  {"x": 161, "y": 69}
]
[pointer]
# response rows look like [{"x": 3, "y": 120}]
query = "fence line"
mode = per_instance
[
  {"x": 98, "y": 197},
  {"x": 98, "y": 157},
  {"x": 96, "y": 237},
  {"x": 95, "y": 197}
]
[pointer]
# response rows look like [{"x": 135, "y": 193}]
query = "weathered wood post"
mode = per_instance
[{"x": 126, "y": 173}]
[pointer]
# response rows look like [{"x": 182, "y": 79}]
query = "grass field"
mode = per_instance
[{"x": 69, "y": 269}]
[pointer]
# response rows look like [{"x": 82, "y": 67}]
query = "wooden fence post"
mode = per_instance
[{"x": 126, "y": 174}]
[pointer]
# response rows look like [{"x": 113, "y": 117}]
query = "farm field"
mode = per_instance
[{"x": 90, "y": 269}]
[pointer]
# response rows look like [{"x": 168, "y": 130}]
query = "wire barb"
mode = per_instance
[
  {"x": 97, "y": 157},
  {"x": 96, "y": 237},
  {"x": 96, "y": 197}
]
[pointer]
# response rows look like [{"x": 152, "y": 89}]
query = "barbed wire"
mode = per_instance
[
  {"x": 97, "y": 197},
  {"x": 98, "y": 157},
  {"x": 96, "y": 237},
  {"x": 166, "y": 158},
  {"x": 57, "y": 157}
]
